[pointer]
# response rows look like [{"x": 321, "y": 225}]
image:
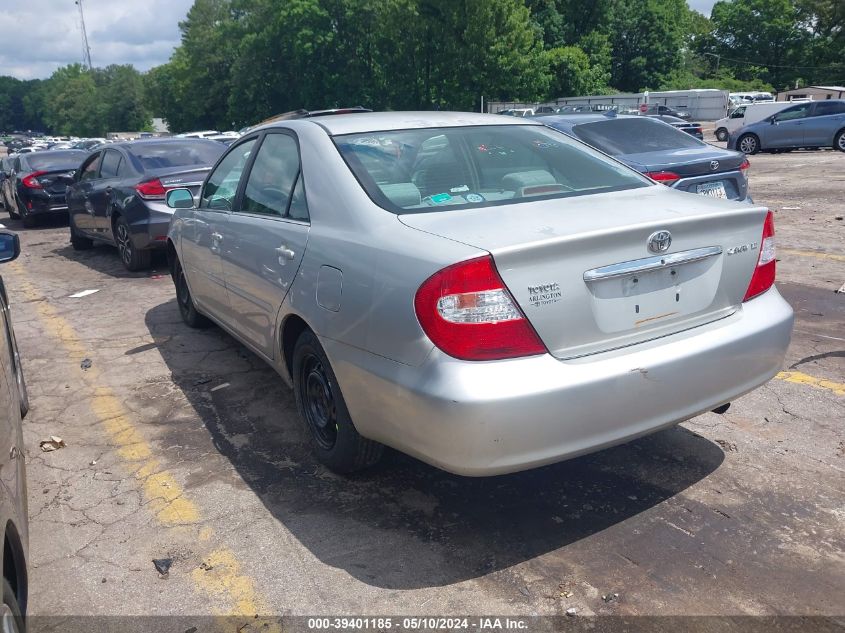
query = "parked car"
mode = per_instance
[
  {"x": 690, "y": 127},
  {"x": 746, "y": 114},
  {"x": 14, "y": 404},
  {"x": 666, "y": 110},
  {"x": 663, "y": 153},
  {"x": 5, "y": 179},
  {"x": 810, "y": 124},
  {"x": 39, "y": 183},
  {"x": 482, "y": 292},
  {"x": 117, "y": 196}
]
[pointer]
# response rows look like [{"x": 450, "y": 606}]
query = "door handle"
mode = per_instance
[
  {"x": 285, "y": 254},
  {"x": 108, "y": 191},
  {"x": 216, "y": 237}
]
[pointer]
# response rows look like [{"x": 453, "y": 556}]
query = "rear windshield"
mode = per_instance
[
  {"x": 619, "y": 137},
  {"x": 187, "y": 153},
  {"x": 51, "y": 161},
  {"x": 422, "y": 170}
]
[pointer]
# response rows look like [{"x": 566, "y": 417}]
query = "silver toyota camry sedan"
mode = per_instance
[{"x": 481, "y": 292}]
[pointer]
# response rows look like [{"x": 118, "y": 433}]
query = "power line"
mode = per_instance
[{"x": 766, "y": 65}]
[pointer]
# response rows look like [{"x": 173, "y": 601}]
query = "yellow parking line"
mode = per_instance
[
  {"x": 801, "y": 378},
  {"x": 222, "y": 581},
  {"x": 816, "y": 254}
]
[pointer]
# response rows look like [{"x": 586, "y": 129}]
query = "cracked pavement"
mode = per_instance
[{"x": 742, "y": 513}]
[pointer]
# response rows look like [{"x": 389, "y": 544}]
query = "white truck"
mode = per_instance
[{"x": 746, "y": 114}]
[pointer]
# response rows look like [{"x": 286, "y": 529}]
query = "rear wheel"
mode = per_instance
[
  {"x": 133, "y": 258},
  {"x": 722, "y": 134},
  {"x": 839, "y": 141},
  {"x": 11, "y": 618},
  {"x": 748, "y": 143},
  {"x": 187, "y": 309},
  {"x": 28, "y": 220},
  {"x": 335, "y": 441},
  {"x": 79, "y": 242}
]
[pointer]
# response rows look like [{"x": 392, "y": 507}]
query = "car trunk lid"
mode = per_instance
[
  {"x": 581, "y": 271},
  {"x": 700, "y": 169},
  {"x": 175, "y": 177}
]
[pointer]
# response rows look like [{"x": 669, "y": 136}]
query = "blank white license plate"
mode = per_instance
[{"x": 713, "y": 189}]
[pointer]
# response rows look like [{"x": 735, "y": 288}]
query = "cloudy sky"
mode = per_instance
[{"x": 38, "y": 36}]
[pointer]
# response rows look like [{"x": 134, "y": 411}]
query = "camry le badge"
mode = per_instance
[{"x": 659, "y": 241}]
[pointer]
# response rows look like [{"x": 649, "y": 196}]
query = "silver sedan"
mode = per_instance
[{"x": 481, "y": 292}]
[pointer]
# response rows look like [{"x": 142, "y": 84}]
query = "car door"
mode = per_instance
[
  {"x": 79, "y": 202},
  {"x": 265, "y": 238},
  {"x": 202, "y": 232},
  {"x": 787, "y": 127},
  {"x": 826, "y": 118},
  {"x": 102, "y": 191}
]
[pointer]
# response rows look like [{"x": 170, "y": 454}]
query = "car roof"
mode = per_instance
[
  {"x": 361, "y": 122},
  {"x": 577, "y": 119},
  {"x": 156, "y": 141}
]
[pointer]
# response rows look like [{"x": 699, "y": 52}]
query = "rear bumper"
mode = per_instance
[
  {"x": 150, "y": 231},
  {"x": 497, "y": 417},
  {"x": 44, "y": 204}
]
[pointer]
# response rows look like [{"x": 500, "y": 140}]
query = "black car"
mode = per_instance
[
  {"x": 689, "y": 127},
  {"x": 661, "y": 152},
  {"x": 117, "y": 196},
  {"x": 667, "y": 111},
  {"x": 39, "y": 183},
  {"x": 13, "y": 505}
]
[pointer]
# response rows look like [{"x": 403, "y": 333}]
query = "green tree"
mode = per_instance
[
  {"x": 120, "y": 92},
  {"x": 71, "y": 104}
]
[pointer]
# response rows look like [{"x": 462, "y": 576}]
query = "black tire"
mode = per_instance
[
  {"x": 722, "y": 134},
  {"x": 839, "y": 141},
  {"x": 185, "y": 301},
  {"x": 12, "y": 618},
  {"x": 29, "y": 221},
  {"x": 748, "y": 143},
  {"x": 321, "y": 406},
  {"x": 133, "y": 258},
  {"x": 79, "y": 242},
  {"x": 12, "y": 208}
]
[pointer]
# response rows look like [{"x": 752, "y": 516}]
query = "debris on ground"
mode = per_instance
[
  {"x": 201, "y": 381},
  {"x": 93, "y": 462},
  {"x": 727, "y": 446},
  {"x": 571, "y": 611},
  {"x": 841, "y": 290},
  {"x": 610, "y": 597},
  {"x": 83, "y": 293},
  {"x": 52, "y": 444},
  {"x": 162, "y": 566},
  {"x": 791, "y": 208},
  {"x": 86, "y": 363},
  {"x": 838, "y": 217},
  {"x": 565, "y": 594},
  {"x": 206, "y": 567}
]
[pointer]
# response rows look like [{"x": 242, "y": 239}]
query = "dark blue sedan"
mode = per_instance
[{"x": 662, "y": 152}]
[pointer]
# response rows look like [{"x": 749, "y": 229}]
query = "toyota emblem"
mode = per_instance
[
  {"x": 659, "y": 241},
  {"x": 714, "y": 165}
]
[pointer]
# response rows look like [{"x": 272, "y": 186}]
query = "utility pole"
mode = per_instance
[{"x": 86, "y": 50}]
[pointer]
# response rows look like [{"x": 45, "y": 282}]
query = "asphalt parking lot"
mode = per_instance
[{"x": 182, "y": 446}]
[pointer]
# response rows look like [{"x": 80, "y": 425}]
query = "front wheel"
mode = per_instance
[
  {"x": 335, "y": 441},
  {"x": 749, "y": 144},
  {"x": 79, "y": 242},
  {"x": 133, "y": 258},
  {"x": 839, "y": 141},
  {"x": 11, "y": 618},
  {"x": 187, "y": 309},
  {"x": 722, "y": 134}
]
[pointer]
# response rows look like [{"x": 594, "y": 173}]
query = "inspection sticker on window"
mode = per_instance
[
  {"x": 440, "y": 198},
  {"x": 474, "y": 197}
]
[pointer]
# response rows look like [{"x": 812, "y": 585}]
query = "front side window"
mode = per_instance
[
  {"x": 221, "y": 187},
  {"x": 91, "y": 168},
  {"x": 111, "y": 164},
  {"x": 423, "y": 170},
  {"x": 272, "y": 177},
  {"x": 795, "y": 112}
]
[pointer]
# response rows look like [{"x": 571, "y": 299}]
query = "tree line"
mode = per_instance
[{"x": 240, "y": 61}]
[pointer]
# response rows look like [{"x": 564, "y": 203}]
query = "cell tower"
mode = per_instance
[{"x": 86, "y": 50}]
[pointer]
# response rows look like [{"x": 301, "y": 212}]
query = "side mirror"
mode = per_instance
[
  {"x": 10, "y": 246},
  {"x": 179, "y": 198}
]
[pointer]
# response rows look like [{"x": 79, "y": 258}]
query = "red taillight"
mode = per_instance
[
  {"x": 764, "y": 273},
  {"x": 31, "y": 181},
  {"x": 745, "y": 165},
  {"x": 467, "y": 312},
  {"x": 663, "y": 177},
  {"x": 151, "y": 189}
]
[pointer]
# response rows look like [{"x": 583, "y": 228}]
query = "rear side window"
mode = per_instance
[
  {"x": 622, "y": 136},
  {"x": 222, "y": 185},
  {"x": 824, "y": 108},
  {"x": 423, "y": 170}
]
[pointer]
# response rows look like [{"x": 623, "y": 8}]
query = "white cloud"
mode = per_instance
[
  {"x": 39, "y": 36},
  {"x": 702, "y": 6}
]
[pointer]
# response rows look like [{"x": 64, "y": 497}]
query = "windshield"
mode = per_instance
[
  {"x": 619, "y": 137},
  {"x": 185, "y": 153},
  {"x": 52, "y": 161},
  {"x": 435, "y": 168}
]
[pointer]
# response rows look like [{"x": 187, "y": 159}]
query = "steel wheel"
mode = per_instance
[
  {"x": 840, "y": 142},
  {"x": 722, "y": 134},
  {"x": 748, "y": 144},
  {"x": 317, "y": 396},
  {"x": 8, "y": 623},
  {"x": 124, "y": 243}
]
